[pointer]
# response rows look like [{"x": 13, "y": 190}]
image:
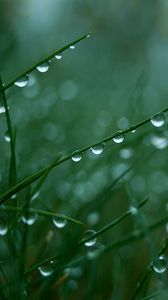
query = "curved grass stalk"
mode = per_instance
[
  {"x": 31, "y": 69},
  {"x": 25, "y": 182},
  {"x": 12, "y": 169}
]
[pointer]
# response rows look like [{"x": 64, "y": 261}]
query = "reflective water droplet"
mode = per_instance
[
  {"x": 160, "y": 264},
  {"x": 13, "y": 196},
  {"x": 3, "y": 228},
  {"x": 133, "y": 210},
  {"x": 88, "y": 35},
  {"x": 72, "y": 47},
  {"x": 7, "y": 137},
  {"x": 2, "y": 109},
  {"x": 133, "y": 131},
  {"x": 119, "y": 138},
  {"x": 43, "y": 67},
  {"x": 30, "y": 218},
  {"x": 22, "y": 81},
  {"x": 88, "y": 234},
  {"x": 77, "y": 157},
  {"x": 158, "y": 120},
  {"x": 35, "y": 195},
  {"x": 59, "y": 222},
  {"x": 98, "y": 149},
  {"x": 47, "y": 269},
  {"x": 58, "y": 56}
]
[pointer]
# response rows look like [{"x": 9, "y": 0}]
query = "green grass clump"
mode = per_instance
[{"x": 99, "y": 240}]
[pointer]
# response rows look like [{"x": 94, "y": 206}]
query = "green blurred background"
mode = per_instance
[{"x": 110, "y": 81}]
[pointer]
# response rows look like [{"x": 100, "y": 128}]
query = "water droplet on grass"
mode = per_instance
[
  {"x": 77, "y": 157},
  {"x": 22, "y": 81},
  {"x": 119, "y": 138},
  {"x": 88, "y": 35},
  {"x": 47, "y": 269},
  {"x": 58, "y": 56},
  {"x": 2, "y": 109},
  {"x": 30, "y": 218},
  {"x": 7, "y": 137},
  {"x": 98, "y": 149},
  {"x": 72, "y": 47},
  {"x": 43, "y": 67},
  {"x": 59, "y": 222},
  {"x": 158, "y": 120},
  {"x": 88, "y": 234},
  {"x": 133, "y": 210},
  {"x": 160, "y": 264},
  {"x": 3, "y": 229}
]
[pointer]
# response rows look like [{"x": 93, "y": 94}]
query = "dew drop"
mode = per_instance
[
  {"x": 2, "y": 109},
  {"x": 133, "y": 210},
  {"x": 58, "y": 56},
  {"x": 22, "y": 81},
  {"x": 72, "y": 47},
  {"x": 119, "y": 138},
  {"x": 88, "y": 35},
  {"x": 47, "y": 269},
  {"x": 30, "y": 218},
  {"x": 159, "y": 264},
  {"x": 98, "y": 149},
  {"x": 7, "y": 137},
  {"x": 43, "y": 67},
  {"x": 77, "y": 157},
  {"x": 158, "y": 120},
  {"x": 59, "y": 222},
  {"x": 88, "y": 234},
  {"x": 3, "y": 229}
]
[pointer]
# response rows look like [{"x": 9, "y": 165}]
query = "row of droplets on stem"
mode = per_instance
[{"x": 158, "y": 120}]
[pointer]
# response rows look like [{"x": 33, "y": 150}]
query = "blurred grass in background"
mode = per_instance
[{"x": 109, "y": 82}]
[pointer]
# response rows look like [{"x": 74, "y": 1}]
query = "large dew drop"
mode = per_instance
[
  {"x": 98, "y": 149},
  {"x": 43, "y": 67},
  {"x": 47, "y": 269},
  {"x": 159, "y": 264},
  {"x": 2, "y": 109},
  {"x": 59, "y": 222},
  {"x": 158, "y": 120},
  {"x": 22, "y": 81},
  {"x": 7, "y": 137},
  {"x": 3, "y": 229},
  {"x": 58, "y": 56},
  {"x": 72, "y": 47},
  {"x": 119, "y": 138},
  {"x": 30, "y": 218},
  {"x": 77, "y": 157},
  {"x": 88, "y": 237}
]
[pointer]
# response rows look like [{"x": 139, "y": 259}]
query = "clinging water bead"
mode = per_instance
[
  {"x": 59, "y": 222},
  {"x": 98, "y": 149},
  {"x": 160, "y": 264},
  {"x": 158, "y": 120},
  {"x": 77, "y": 157},
  {"x": 43, "y": 67},
  {"x": 119, "y": 138},
  {"x": 58, "y": 56},
  {"x": 92, "y": 241},
  {"x": 22, "y": 81}
]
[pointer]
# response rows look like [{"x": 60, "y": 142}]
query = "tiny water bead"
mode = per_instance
[
  {"x": 22, "y": 81},
  {"x": 30, "y": 218},
  {"x": 160, "y": 264},
  {"x": 43, "y": 67},
  {"x": 3, "y": 228},
  {"x": 72, "y": 47},
  {"x": 133, "y": 210},
  {"x": 89, "y": 242},
  {"x": 58, "y": 56},
  {"x": 59, "y": 222},
  {"x": 47, "y": 269},
  {"x": 2, "y": 109},
  {"x": 7, "y": 137},
  {"x": 119, "y": 138},
  {"x": 98, "y": 149},
  {"x": 158, "y": 120},
  {"x": 77, "y": 157}
]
